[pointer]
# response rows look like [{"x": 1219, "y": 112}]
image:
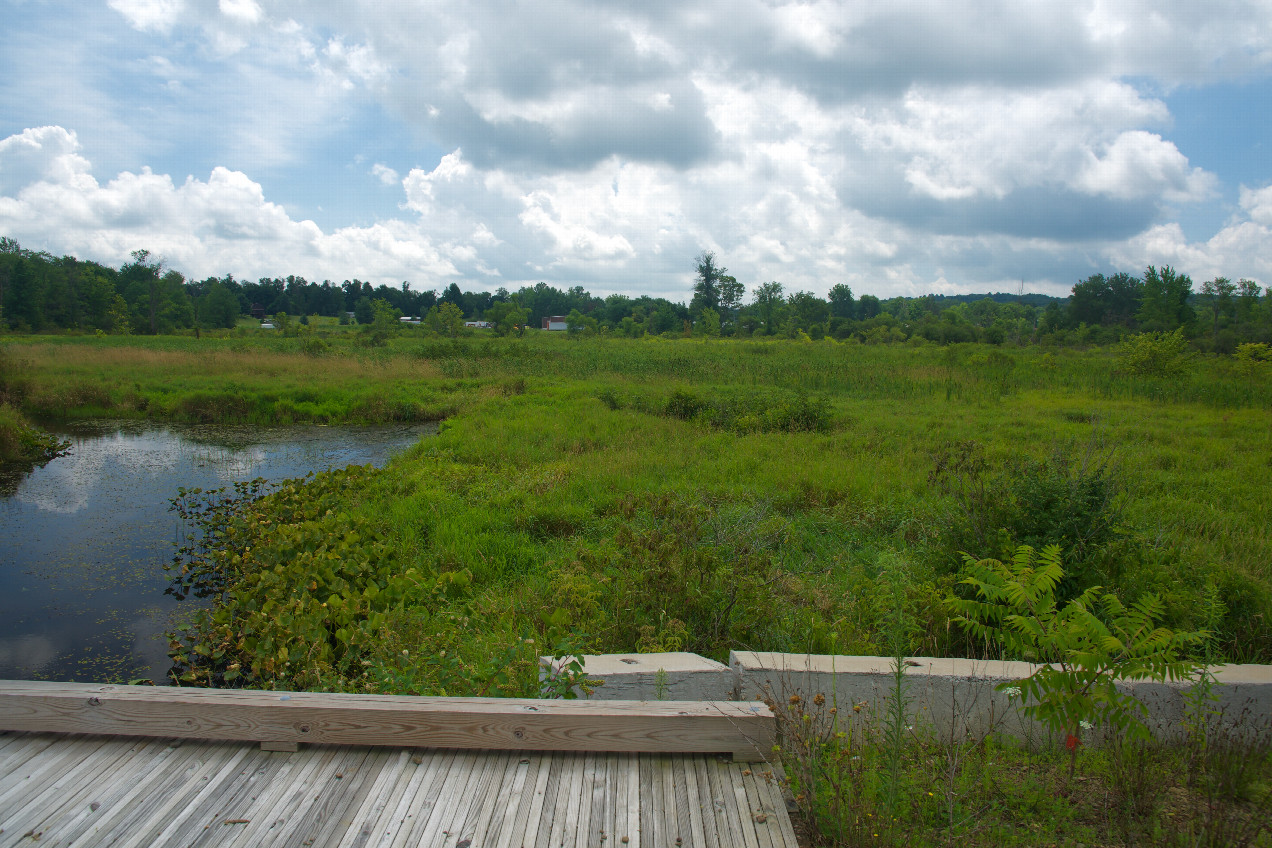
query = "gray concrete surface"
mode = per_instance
[
  {"x": 957, "y": 697},
  {"x": 677, "y": 676}
]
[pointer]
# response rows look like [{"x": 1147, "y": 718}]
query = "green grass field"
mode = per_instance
[{"x": 614, "y": 494}]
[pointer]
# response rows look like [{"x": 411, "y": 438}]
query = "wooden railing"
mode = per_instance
[{"x": 282, "y": 720}]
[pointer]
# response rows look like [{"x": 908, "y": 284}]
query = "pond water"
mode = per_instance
[{"x": 84, "y": 540}]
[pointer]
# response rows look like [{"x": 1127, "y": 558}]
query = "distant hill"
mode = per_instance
[{"x": 1031, "y": 299}]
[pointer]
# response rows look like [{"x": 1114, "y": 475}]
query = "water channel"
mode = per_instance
[{"x": 84, "y": 540}]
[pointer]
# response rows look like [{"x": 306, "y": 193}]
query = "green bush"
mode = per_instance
[
  {"x": 1084, "y": 647},
  {"x": 1155, "y": 354},
  {"x": 1071, "y": 501}
]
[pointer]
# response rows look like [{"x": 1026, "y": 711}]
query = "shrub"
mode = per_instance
[
  {"x": 1155, "y": 354},
  {"x": 1083, "y": 647},
  {"x": 1071, "y": 501}
]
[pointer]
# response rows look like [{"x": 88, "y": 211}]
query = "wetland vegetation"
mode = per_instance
[
  {"x": 605, "y": 494},
  {"x": 792, "y": 474}
]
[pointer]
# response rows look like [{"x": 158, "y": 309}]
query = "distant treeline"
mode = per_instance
[{"x": 43, "y": 293}]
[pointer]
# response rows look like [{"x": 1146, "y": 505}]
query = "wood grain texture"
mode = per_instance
[
  {"x": 119, "y": 791},
  {"x": 745, "y": 730}
]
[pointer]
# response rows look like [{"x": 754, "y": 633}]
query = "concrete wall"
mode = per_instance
[
  {"x": 950, "y": 696},
  {"x": 675, "y": 676}
]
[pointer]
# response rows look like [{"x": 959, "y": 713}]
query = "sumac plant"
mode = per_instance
[{"x": 1083, "y": 648}]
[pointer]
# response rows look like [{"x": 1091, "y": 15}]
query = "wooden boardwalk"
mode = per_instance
[{"x": 63, "y": 789}]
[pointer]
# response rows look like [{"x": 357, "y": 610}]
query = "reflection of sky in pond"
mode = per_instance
[{"x": 83, "y": 541}]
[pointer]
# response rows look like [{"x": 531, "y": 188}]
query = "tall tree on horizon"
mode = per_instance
[{"x": 706, "y": 289}]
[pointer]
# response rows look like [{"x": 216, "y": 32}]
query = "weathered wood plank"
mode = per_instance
[
  {"x": 142, "y": 760},
  {"x": 742, "y": 808},
  {"x": 543, "y": 834},
  {"x": 512, "y": 799},
  {"x": 274, "y": 806},
  {"x": 379, "y": 797},
  {"x": 35, "y": 774},
  {"x": 168, "y": 793},
  {"x": 487, "y": 795},
  {"x": 746, "y": 730},
  {"x": 708, "y": 809},
  {"x": 632, "y": 827},
  {"x": 184, "y": 766},
  {"x": 330, "y": 819},
  {"x": 693, "y": 800},
  {"x": 154, "y": 824},
  {"x": 523, "y": 827},
  {"x": 58, "y": 805},
  {"x": 420, "y": 793}
]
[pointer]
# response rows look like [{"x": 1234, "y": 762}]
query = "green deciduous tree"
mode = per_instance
[
  {"x": 508, "y": 317},
  {"x": 709, "y": 323},
  {"x": 1155, "y": 354},
  {"x": 706, "y": 287},
  {"x": 445, "y": 319},
  {"x": 842, "y": 304},
  {"x": 731, "y": 294},
  {"x": 1164, "y": 300},
  {"x": 364, "y": 312},
  {"x": 218, "y": 307},
  {"x": 768, "y": 304},
  {"x": 1218, "y": 297}
]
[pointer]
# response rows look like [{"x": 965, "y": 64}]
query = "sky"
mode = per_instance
[{"x": 901, "y": 148}]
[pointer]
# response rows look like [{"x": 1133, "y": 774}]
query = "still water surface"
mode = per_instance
[{"x": 83, "y": 541}]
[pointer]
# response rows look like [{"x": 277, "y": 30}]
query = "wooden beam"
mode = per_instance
[{"x": 745, "y": 730}]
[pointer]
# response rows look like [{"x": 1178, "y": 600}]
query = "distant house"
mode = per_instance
[
  {"x": 258, "y": 311},
  {"x": 555, "y": 322},
  {"x": 481, "y": 325}
]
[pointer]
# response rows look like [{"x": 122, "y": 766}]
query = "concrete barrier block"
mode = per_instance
[
  {"x": 675, "y": 676},
  {"x": 950, "y": 696},
  {"x": 961, "y": 696},
  {"x": 1240, "y": 706}
]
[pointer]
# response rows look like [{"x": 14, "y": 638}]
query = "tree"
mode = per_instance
[
  {"x": 363, "y": 311},
  {"x": 706, "y": 289},
  {"x": 1083, "y": 648},
  {"x": 577, "y": 324},
  {"x": 1107, "y": 301},
  {"x": 709, "y": 323},
  {"x": 455, "y": 296},
  {"x": 768, "y": 301},
  {"x": 841, "y": 302},
  {"x": 1247, "y": 299},
  {"x": 508, "y": 316},
  {"x": 384, "y": 322},
  {"x": 445, "y": 319},
  {"x": 807, "y": 310},
  {"x": 867, "y": 307},
  {"x": 1217, "y": 294},
  {"x": 117, "y": 317},
  {"x": 731, "y": 294},
  {"x": 1164, "y": 300},
  {"x": 24, "y": 297},
  {"x": 218, "y": 307},
  {"x": 158, "y": 298}
]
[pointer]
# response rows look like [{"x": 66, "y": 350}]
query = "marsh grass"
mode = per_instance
[{"x": 547, "y": 442}]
